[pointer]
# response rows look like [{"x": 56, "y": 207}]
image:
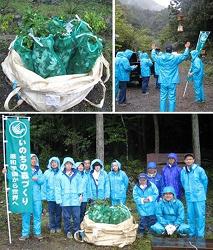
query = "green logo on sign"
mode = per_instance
[{"x": 18, "y": 129}]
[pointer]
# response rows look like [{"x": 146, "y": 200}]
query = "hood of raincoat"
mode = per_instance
[
  {"x": 169, "y": 189},
  {"x": 173, "y": 156},
  {"x": 118, "y": 163},
  {"x": 78, "y": 163},
  {"x": 120, "y": 54},
  {"x": 128, "y": 53},
  {"x": 144, "y": 55},
  {"x": 56, "y": 159},
  {"x": 152, "y": 165},
  {"x": 94, "y": 161},
  {"x": 194, "y": 54},
  {"x": 68, "y": 159}
]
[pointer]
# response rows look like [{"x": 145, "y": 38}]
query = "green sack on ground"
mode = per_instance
[
  {"x": 102, "y": 213},
  {"x": 56, "y": 26},
  {"x": 64, "y": 47},
  {"x": 45, "y": 60},
  {"x": 89, "y": 48},
  {"x": 24, "y": 52}
]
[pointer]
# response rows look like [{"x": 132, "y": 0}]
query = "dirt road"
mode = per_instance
[{"x": 150, "y": 103}]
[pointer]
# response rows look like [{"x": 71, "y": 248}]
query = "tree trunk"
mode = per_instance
[
  {"x": 100, "y": 136},
  {"x": 157, "y": 139},
  {"x": 143, "y": 131},
  {"x": 196, "y": 138},
  {"x": 126, "y": 135}
]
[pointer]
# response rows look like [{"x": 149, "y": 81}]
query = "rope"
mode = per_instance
[{"x": 193, "y": 245}]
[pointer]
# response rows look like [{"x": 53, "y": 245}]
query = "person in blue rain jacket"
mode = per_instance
[
  {"x": 171, "y": 175},
  {"x": 54, "y": 209},
  {"x": 123, "y": 74},
  {"x": 69, "y": 194},
  {"x": 170, "y": 215},
  {"x": 169, "y": 75},
  {"x": 197, "y": 73},
  {"x": 145, "y": 194},
  {"x": 155, "y": 177},
  {"x": 145, "y": 63},
  {"x": 118, "y": 60},
  {"x": 156, "y": 69},
  {"x": 87, "y": 167},
  {"x": 118, "y": 184},
  {"x": 38, "y": 180},
  {"x": 195, "y": 182},
  {"x": 98, "y": 181},
  {"x": 86, "y": 192}
]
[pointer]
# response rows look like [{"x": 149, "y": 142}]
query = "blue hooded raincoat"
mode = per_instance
[
  {"x": 155, "y": 178},
  {"x": 102, "y": 189},
  {"x": 168, "y": 76},
  {"x": 37, "y": 205},
  {"x": 123, "y": 67},
  {"x": 118, "y": 60},
  {"x": 145, "y": 63},
  {"x": 68, "y": 188},
  {"x": 171, "y": 176},
  {"x": 118, "y": 185},
  {"x": 85, "y": 183},
  {"x": 145, "y": 209},
  {"x": 49, "y": 180},
  {"x": 195, "y": 182},
  {"x": 197, "y": 68},
  {"x": 170, "y": 212}
]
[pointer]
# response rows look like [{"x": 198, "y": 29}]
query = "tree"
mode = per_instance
[
  {"x": 100, "y": 136},
  {"x": 156, "y": 126},
  {"x": 196, "y": 138}
]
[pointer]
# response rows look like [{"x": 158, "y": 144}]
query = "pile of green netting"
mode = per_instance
[
  {"x": 52, "y": 47},
  {"x": 104, "y": 213}
]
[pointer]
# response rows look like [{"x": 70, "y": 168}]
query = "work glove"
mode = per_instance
[{"x": 170, "y": 229}]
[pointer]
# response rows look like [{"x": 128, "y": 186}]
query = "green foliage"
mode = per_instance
[
  {"x": 79, "y": 141},
  {"x": 96, "y": 21},
  {"x": 34, "y": 20},
  {"x": 209, "y": 70},
  {"x": 6, "y": 22}
]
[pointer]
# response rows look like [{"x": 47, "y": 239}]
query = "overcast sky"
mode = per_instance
[{"x": 163, "y": 2}]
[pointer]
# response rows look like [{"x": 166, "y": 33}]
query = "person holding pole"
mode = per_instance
[
  {"x": 197, "y": 73},
  {"x": 38, "y": 180}
]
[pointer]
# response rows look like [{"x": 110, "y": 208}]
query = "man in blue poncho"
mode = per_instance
[
  {"x": 123, "y": 70},
  {"x": 145, "y": 63},
  {"x": 197, "y": 73},
  {"x": 118, "y": 184},
  {"x": 49, "y": 194},
  {"x": 170, "y": 215},
  {"x": 98, "y": 181},
  {"x": 145, "y": 194},
  {"x": 155, "y": 177},
  {"x": 169, "y": 75},
  {"x": 195, "y": 181}
]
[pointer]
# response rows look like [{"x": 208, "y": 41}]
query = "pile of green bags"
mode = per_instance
[
  {"x": 103, "y": 213},
  {"x": 67, "y": 48}
]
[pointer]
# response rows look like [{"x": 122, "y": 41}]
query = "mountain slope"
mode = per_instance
[{"x": 143, "y": 4}]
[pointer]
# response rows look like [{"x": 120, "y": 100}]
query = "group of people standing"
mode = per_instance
[
  {"x": 70, "y": 186},
  {"x": 166, "y": 73}
]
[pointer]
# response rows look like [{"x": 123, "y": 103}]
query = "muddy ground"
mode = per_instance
[
  {"x": 95, "y": 94},
  {"x": 150, "y": 103}
]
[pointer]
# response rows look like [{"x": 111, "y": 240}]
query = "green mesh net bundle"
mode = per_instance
[
  {"x": 62, "y": 48},
  {"x": 103, "y": 213}
]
